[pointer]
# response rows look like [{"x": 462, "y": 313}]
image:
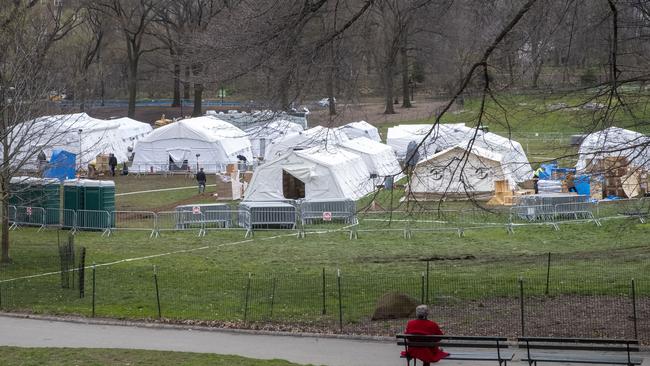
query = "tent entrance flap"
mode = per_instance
[{"x": 292, "y": 187}]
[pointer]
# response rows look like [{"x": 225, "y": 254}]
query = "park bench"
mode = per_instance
[
  {"x": 583, "y": 350},
  {"x": 498, "y": 347}
]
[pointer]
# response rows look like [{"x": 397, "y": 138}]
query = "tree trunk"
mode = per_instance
[
  {"x": 133, "y": 87},
  {"x": 83, "y": 97},
  {"x": 176, "y": 102},
  {"x": 406, "y": 100},
  {"x": 388, "y": 89},
  {"x": 4, "y": 183},
  {"x": 186, "y": 83},
  {"x": 198, "y": 100}
]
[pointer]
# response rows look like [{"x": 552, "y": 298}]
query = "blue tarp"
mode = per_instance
[{"x": 62, "y": 165}]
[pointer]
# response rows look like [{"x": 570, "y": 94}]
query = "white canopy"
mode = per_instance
[
  {"x": 361, "y": 129},
  {"x": 216, "y": 142},
  {"x": 82, "y": 135},
  {"x": 327, "y": 173},
  {"x": 379, "y": 158},
  {"x": 263, "y": 135},
  {"x": 614, "y": 142},
  {"x": 443, "y": 137},
  {"x": 456, "y": 171},
  {"x": 316, "y": 136}
]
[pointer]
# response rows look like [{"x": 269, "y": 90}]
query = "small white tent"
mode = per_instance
[
  {"x": 514, "y": 161},
  {"x": 361, "y": 129},
  {"x": 82, "y": 135},
  {"x": 379, "y": 158},
  {"x": 262, "y": 136},
  {"x": 614, "y": 142},
  {"x": 457, "y": 172},
  {"x": 315, "y": 173},
  {"x": 216, "y": 143},
  {"x": 316, "y": 136}
]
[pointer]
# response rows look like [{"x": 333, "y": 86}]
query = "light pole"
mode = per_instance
[
  {"x": 197, "y": 162},
  {"x": 80, "y": 152}
]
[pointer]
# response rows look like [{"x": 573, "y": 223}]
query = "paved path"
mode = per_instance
[{"x": 22, "y": 332}]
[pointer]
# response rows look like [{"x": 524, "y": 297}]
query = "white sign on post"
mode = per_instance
[
  {"x": 327, "y": 216},
  {"x": 196, "y": 210},
  {"x": 29, "y": 211}
]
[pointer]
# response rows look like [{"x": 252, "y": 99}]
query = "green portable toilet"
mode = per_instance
[
  {"x": 108, "y": 195},
  {"x": 51, "y": 200},
  {"x": 32, "y": 194},
  {"x": 99, "y": 196},
  {"x": 73, "y": 199},
  {"x": 18, "y": 189}
]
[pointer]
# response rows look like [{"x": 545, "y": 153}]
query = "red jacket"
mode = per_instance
[{"x": 425, "y": 327}]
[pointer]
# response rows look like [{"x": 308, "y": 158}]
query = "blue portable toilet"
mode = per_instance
[{"x": 62, "y": 165}]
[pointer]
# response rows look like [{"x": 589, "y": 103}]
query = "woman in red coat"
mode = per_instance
[{"x": 422, "y": 326}]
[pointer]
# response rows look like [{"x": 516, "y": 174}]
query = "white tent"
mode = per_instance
[
  {"x": 614, "y": 142},
  {"x": 262, "y": 136},
  {"x": 379, "y": 158},
  {"x": 216, "y": 143},
  {"x": 514, "y": 161},
  {"x": 457, "y": 172},
  {"x": 443, "y": 137},
  {"x": 82, "y": 135},
  {"x": 316, "y": 136},
  {"x": 361, "y": 129},
  {"x": 315, "y": 173}
]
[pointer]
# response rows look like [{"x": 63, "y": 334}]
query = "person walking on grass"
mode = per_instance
[
  {"x": 200, "y": 178},
  {"x": 112, "y": 163}
]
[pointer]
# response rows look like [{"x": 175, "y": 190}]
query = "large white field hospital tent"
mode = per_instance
[
  {"x": 443, "y": 137},
  {"x": 379, "y": 158},
  {"x": 316, "y": 136},
  {"x": 361, "y": 129},
  {"x": 455, "y": 172},
  {"x": 263, "y": 135},
  {"x": 314, "y": 173},
  {"x": 207, "y": 141},
  {"x": 82, "y": 135},
  {"x": 614, "y": 142}
]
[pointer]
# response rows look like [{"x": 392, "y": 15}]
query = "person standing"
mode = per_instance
[
  {"x": 571, "y": 182},
  {"x": 112, "y": 163},
  {"x": 201, "y": 179},
  {"x": 423, "y": 326}
]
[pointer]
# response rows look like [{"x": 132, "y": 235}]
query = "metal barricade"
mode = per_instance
[
  {"x": 29, "y": 216},
  {"x": 267, "y": 216},
  {"x": 433, "y": 220},
  {"x": 219, "y": 219},
  {"x": 322, "y": 222},
  {"x": 134, "y": 221},
  {"x": 532, "y": 215},
  {"x": 94, "y": 220},
  {"x": 69, "y": 220},
  {"x": 11, "y": 216},
  {"x": 179, "y": 221},
  {"x": 334, "y": 209},
  {"x": 581, "y": 211}
]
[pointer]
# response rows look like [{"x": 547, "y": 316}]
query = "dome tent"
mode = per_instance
[
  {"x": 443, "y": 137},
  {"x": 379, "y": 158},
  {"x": 361, "y": 129},
  {"x": 263, "y": 135},
  {"x": 614, "y": 142},
  {"x": 216, "y": 142},
  {"x": 315, "y": 173},
  {"x": 316, "y": 136}
]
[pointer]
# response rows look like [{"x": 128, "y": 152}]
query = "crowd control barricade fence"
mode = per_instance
[
  {"x": 578, "y": 211},
  {"x": 327, "y": 221},
  {"x": 334, "y": 209},
  {"x": 179, "y": 221},
  {"x": 11, "y": 216},
  {"x": 220, "y": 219},
  {"x": 257, "y": 216},
  {"x": 189, "y": 169},
  {"x": 532, "y": 215},
  {"x": 29, "y": 216},
  {"x": 94, "y": 220},
  {"x": 134, "y": 221}
]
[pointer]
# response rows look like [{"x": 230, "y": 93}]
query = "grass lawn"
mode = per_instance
[{"x": 14, "y": 356}]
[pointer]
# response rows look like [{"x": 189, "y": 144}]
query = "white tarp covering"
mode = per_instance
[
  {"x": 328, "y": 173},
  {"x": 443, "y": 137},
  {"x": 614, "y": 142},
  {"x": 83, "y": 135},
  {"x": 217, "y": 143},
  {"x": 361, "y": 129},
  {"x": 316, "y": 136},
  {"x": 379, "y": 158},
  {"x": 262, "y": 136},
  {"x": 455, "y": 171}
]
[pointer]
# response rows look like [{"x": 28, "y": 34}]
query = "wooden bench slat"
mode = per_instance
[
  {"x": 474, "y": 338},
  {"x": 480, "y": 356},
  {"x": 602, "y": 359},
  {"x": 578, "y": 340},
  {"x": 581, "y": 348},
  {"x": 452, "y": 345}
]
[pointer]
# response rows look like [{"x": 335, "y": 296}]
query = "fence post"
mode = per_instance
[
  {"x": 427, "y": 302},
  {"x": 521, "y": 305},
  {"x": 248, "y": 291},
  {"x": 273, "y": 297},
  {"x": 0, "y": 296},
  {"x": 338, "y": 283},
  {"x": 82, "y": 274},
  {"x": 94, "y": 287},
  {"x": 155, "y": 280},
  {"x": 548, "y": 273},
  {"x": 636, "y": 333},
  {"x": 323, "y": 293},
  {"x": 422, "y": 289}
]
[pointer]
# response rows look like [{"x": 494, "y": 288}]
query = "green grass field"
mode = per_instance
[{"x": 14, "y": 356}]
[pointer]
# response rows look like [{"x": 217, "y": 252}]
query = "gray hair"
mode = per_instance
[{"x": 422, "y": 311}]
